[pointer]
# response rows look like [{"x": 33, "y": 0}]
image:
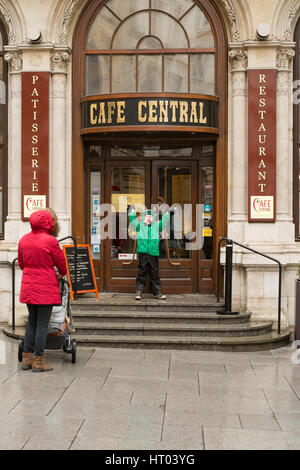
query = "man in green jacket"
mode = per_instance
[{"x": 148, "y": 231}]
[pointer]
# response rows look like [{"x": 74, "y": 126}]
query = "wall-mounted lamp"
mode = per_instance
[
  {"x": 263, "y": 31},
  {"x": 34, "y": 36}
]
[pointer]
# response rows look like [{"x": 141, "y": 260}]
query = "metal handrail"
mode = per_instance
[
  {"x": 232, "y": 242},
  {"x": 13, "y": 323}
]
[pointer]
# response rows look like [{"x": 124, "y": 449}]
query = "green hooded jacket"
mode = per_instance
[{"x": 148, "y": 235}]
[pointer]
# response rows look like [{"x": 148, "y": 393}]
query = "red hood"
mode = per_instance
[{"x": 41, "y": 220}]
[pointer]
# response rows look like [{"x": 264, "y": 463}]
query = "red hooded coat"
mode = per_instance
[{"x": 38, "y": 253}]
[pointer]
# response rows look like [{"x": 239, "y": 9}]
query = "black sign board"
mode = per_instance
[
  {"x": 85, "y": 279},
  {"x": 181, "y": 111}
]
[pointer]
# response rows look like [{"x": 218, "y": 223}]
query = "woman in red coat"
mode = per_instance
[{"x": 38, "y": 253}]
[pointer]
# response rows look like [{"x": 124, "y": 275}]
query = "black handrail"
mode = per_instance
[
  {"x": 228, "y": 289},
  {"x": 13, "y": 323}
]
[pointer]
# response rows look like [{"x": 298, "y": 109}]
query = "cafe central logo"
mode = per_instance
[{"x": 150, "y": 111}]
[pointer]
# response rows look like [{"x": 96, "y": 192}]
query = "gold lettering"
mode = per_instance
[
  {"x": 262, "y": 164},
  {"x": 262, "y": 139},
  {"x": 183, "y": 116},
  {"x": 35, "y": 151},
  {"x": 34, "y": 115},
  {"x": 34, "y": 175},
  {"x": 262, "y": 187},
  {"x": 34, "y": 163},
  {"x": 262, "y": 175},
  {"x": 34, "y": 79},
  {"x": 152, "y": 111},
  {"x": 35, "y": 139},
  {"x": 262, "y": 114},
  {"x": 262, "y": 128},
  {"x": 163, "y": 111},
  {"x": 194, "y": 115},
  {"x": 34, "y": 103},
  {"x": 93, "y": 119},
  {"x": 262, "y": 90},
  {"x": 35, "y": 92},
  {"x": 262, "y": 78},
  {"x": 262, "y": 152},
  {"x": 202, "y": 120},
  {"x": 102, "y": 118},
  {"x": 35, "y": 127},
  {"x": 111, "y": 106},
  {"x": 142, "y": 117},
  {"x": 121, "y": 112},
  {"x": 262, "y": 102},
  {"x": 35, "y": 187},
  {"x": 174, "y": 107}
]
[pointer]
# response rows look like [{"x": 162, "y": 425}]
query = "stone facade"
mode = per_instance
[{"x": 255, "y": 280}]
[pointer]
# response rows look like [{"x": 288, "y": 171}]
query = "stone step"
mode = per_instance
[
  {"x": 164, "y": 317},
  {"x": 150, "y": 305},
  {"x": 178, "y": 329},
  {"x": 244, "y": 343}
]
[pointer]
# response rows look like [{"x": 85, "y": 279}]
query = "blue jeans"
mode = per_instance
[{"x": 37, "y": 327}]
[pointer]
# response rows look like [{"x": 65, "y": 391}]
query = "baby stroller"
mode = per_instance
[{"x": 60, "y": 326}]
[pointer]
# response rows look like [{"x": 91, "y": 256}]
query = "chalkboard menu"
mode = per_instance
[{"x": 85, "y": 279}]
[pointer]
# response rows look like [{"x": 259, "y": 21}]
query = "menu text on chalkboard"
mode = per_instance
[{"x": 85, "y": 278}]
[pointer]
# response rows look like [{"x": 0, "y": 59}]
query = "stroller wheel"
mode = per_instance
[
  {"x": 20, "y": 350},
  {"x": 73, "y": 345}
]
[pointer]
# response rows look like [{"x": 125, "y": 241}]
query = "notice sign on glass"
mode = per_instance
[
  {"x": 35, "y": 142},
  {"x": 262, "y": 145}
]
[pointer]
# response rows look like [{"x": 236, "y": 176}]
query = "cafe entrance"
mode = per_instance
[
  {"x": 149, "y": 126},
  {"x": 142, "y": 176}
]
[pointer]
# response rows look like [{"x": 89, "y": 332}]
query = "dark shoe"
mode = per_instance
[
  {"x": 160, "y": 297},
  {"x": 27, "y": 360},
  {"x": 39, "y": 365},
  {"x": 138, "y": 295}
]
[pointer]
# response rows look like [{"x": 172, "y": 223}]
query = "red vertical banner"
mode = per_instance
[
  {"x": 262, "y": 145},
  {"x": 35, "y": 142}
]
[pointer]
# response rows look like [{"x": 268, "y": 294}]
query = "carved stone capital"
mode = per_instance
[
  {"x": 59, "y": 62},
  {"x": 238, "y": 59},
  {"x": 15, "y": 61},
  {"x": 284, "y": 58}
]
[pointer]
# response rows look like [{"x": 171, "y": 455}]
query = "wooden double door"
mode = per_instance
[{"x": 179, "y": 178}]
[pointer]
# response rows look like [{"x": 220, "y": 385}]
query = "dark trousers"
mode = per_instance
[
  {"x": 148, "y": 264},
  {"x": 37, "y": 327}
]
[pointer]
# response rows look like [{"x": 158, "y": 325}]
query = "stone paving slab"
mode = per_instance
[{"x": 128, "y": 399}]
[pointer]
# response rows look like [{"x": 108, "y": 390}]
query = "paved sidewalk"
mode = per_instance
[{"x": 151, "y": 399}]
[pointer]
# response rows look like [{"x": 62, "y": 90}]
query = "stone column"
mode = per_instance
[
  {"x": 237, "y": 174},
  {"x": 284, "y": 136},
  {"x": 59, "y": 65},
  {"x": 13, "y": 226}
]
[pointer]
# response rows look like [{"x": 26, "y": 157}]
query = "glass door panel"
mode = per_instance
[
  {"x": 127, "y": 188},
  {"x": 175, "y": 189}
]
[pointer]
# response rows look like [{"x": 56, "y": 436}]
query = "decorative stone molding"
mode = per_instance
[
  {"x": 58, "y": 86},
  {"x": 67, "y": 17},
  {"x": 231, "y": 12},
  {"x": 288, "y": 32},
  {"x": 239, "y": 84},
  {"x": 7, "y": 18},
  {"x": 284, "y": 58},
  {"x": 15, "y": 61},
  {"x": 59, "y": 61},
  {"x": 238, "y": 59}
]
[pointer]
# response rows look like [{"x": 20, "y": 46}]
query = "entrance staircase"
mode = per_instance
[{"x": 180, "y": 322}]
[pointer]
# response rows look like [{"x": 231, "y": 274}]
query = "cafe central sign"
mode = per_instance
[{"x": 180, "y": 112}]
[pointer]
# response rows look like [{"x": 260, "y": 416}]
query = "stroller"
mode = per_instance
[{"x": 60, "y": 326}]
